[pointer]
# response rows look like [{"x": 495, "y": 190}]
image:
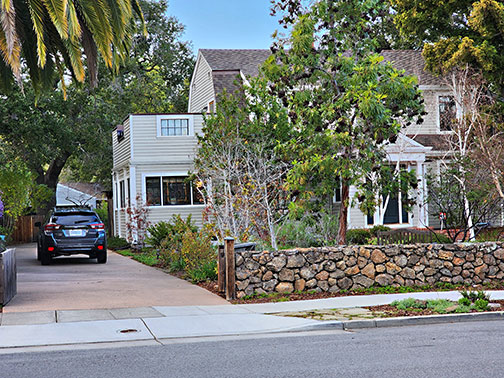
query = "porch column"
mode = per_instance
[{"x": 422, "y": 194}]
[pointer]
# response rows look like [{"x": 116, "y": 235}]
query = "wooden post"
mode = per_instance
[
  {"x": 230, "y": 268},
  {"x": 221, "y": 264}
]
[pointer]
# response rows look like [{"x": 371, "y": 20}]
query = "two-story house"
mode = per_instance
[{"x": 153, "y": 153}]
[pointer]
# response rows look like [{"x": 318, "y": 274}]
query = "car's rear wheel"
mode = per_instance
[
  {"x": 45, "y": 257},
  {"x": 101, "y": 257},
  {"x": 39, "y": 254}
]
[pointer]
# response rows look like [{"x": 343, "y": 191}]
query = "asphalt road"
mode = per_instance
[
  {"x": 454, "y": 350},
  {"x": 77, "y": 282}
]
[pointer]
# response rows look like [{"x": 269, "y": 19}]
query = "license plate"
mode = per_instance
[{"x": 75, "y": 232}]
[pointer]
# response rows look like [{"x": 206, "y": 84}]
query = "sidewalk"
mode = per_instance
[{"x": 156, "y": 323}]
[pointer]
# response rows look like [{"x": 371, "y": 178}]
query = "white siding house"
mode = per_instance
[{"x": 152, "y": 153}]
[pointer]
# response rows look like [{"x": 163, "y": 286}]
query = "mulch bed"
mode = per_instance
[{"x": 391, "y": 311}]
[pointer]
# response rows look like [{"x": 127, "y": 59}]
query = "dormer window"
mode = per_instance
[{"x": 447, "y": 112}]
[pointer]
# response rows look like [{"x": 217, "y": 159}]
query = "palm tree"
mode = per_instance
[{"x": 49, "y": 36}]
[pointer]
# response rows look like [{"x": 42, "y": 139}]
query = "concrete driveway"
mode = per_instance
[{"x": 73, "y": 283}]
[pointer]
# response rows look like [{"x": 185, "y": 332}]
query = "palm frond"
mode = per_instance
[
  {"x": 74, "y": 28},
  {"x": 57, "y": 10},
  {"x": 37, "y": 12}
]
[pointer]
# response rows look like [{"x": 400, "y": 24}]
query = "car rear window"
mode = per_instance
[{"x": 75, "y": 219}]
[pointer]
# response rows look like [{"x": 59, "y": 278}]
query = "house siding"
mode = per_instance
[
  {"x": 121, "y": 151},
  {"x": 430, "y": 123},
  {"x": 148, "y": 147},
  {"x": 202, "y": 88}
]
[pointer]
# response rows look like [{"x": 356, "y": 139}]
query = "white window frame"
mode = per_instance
[
  {"x": 161, "y": 175},
  {"x": 189, "y": 118},
  {"x": 438, "y": 114}
]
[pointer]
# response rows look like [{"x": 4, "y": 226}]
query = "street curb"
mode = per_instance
[{"x": 405, "y": 321}]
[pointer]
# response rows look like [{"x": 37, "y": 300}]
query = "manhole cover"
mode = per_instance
[{"x": 128, "y": 330}]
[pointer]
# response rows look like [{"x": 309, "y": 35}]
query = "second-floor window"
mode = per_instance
[
  {"x": 171, "y": 127},
  {"x": 447, "y": 112}
]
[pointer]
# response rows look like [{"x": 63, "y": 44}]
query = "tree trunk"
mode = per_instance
[
  {"x": 51, "y": 178},
  {"x": 343, "y": 213}
]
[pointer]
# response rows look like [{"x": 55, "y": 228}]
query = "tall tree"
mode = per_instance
[
  {"x": 50, "y": 36},
  {"x": 153, "y": 79},
  {"x": 456, "y": 33},
  {"x": 344, "y": 102}
]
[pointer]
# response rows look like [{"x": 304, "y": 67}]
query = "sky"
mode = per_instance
[{"x": 225, "y": 24}]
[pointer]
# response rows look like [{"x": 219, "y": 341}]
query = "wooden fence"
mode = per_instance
[
  {"x": 404, "y": 236},
  {"x": 25, "y": 230},
  {"x": 8, "y": 273}
]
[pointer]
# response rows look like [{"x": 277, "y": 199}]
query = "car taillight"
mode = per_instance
[
  {"x": 97, "y": 226},
  {"x": 52, "y": 227},
  {"x": 100, "y": 247}
]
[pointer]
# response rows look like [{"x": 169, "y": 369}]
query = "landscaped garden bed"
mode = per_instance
[{"x": 471, "y": 302}]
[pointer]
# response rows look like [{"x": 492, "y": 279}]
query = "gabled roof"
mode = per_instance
[
  {"x": 228, "y": 80},
  {"x": 92, "y": 189},
  {"x": 244, "y": 60},
  {"x": 413, "y": 63}
]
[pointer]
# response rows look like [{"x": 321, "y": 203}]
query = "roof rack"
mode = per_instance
[{"x": 61, "y": 208}]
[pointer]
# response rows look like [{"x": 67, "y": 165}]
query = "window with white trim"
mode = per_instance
[
  {"x": 122, "y": 194},
  {"x": 174, "y": 126},
  {"x": 447, "y": 112},
  {"x": 170, "y": 191}
]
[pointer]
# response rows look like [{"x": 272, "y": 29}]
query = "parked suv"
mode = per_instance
[{"x": 70, "y": 231}]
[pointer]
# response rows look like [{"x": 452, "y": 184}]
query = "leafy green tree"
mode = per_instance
[
  {"x": 18, "y": 191},
  {"x": 50, "y": 36},
  {"x": 73, "y": 136},
  {"x": 44, "y": 134},
  {"x": 344, "y": 102},
  {"x": 238, "y": 169},
  {"x": 153, "y": 79},
  {"x": 456, "y": 33}
]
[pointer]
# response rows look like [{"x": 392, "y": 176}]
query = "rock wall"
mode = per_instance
[{"x": 350, "y": 267}]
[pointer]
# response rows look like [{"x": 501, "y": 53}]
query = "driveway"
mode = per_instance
[{"x": 75, "y": 283}]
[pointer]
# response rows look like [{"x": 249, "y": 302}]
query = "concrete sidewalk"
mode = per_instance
[{"x": 156, "y": 323}]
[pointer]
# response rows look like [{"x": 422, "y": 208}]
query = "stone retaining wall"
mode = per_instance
[{"x": 350, "y": 267}]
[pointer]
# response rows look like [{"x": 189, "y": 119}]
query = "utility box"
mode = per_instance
[{"x": 8, "y": 275}]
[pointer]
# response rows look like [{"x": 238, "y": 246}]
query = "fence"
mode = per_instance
[
  {"x": 404, "y": 236},
  {"x": 25, "y": 230}
]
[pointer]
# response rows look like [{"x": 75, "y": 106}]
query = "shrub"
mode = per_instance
[
  {"x": 358, "y": 236},
  {"x": 481, "y": 305},
  {"x": 174, "y": 231},
  {"x": 408, "y": 303},
  {"x": 197, "y": 250},
  {"x": 115, "y": 242},
  {"x": 374, "y": 231},
  {"x": 206, "y": 272},
  {"x": 464, "y": 302},
  {"x": 442, "y": 239},
  {"x": 157, "y": 233}
]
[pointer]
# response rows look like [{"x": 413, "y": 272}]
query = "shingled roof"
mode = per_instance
[
  {"x": 412, "y": 62},
  {"x": 246, "y": 61}
]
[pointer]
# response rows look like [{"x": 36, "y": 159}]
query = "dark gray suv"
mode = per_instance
[{"x": 71, "y": 231}]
